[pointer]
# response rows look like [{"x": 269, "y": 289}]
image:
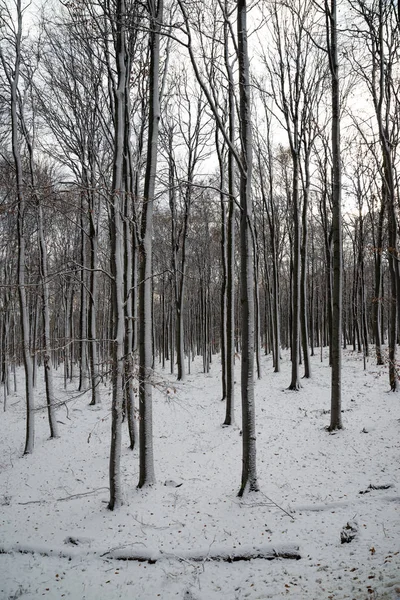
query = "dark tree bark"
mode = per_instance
[
  {"x": 249, "y": 471},
  {"x": 336, "y": 341},
  {"x": 146, "y": 457},
  {"x": 117, "y": 267}
]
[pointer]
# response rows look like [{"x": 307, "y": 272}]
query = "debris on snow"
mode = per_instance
[{"x": 349, "y": 532}]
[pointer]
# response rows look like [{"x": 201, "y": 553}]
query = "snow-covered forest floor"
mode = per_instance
[{"x": 53, "y": 503}]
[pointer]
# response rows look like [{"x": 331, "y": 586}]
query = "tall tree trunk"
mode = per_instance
[
  {"x": 83, "y": 314},
  {"x": 47, "y": 361},
  {"x": 249, "y": 471},
  {"x": 295, "y": 347},
  {"x": 130, "y": 275},
  {"x": 257, "y": 320},
  {"x": 224, "y": 266},
  {"x": 129, "y": 356},
  {"x": 93, "y": 284},
  {"x": 146, "y": 457},
  {"x": 336, "y": 385},
  {"x": 230, "y": 282},
  {"x": 303, "y": 275},
  {"x": 12, "y": 74},
  {"x": 377, "y": 304},
  {"x": 117, "y": 268},
  {"x": 392, "y": 259}
]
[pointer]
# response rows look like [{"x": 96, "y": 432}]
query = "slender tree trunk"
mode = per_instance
[
  {"x": 257, "y": 323},
  {"x": 312, "y": 294},
  {"x": 12, "y": 75},
  {"x": 392, "y": 258},
  {"x": 295, "y": 381},
  {"x": 377, "y": 303},
  {"x": 224, "y": 268},
  {"x": 33, "y": 336},
  {"x": 83, "y": 314},
  {"x": 361, "y": 277},
  {"x": 276, "y": 312},
  {"x": 336, "y": 386},
  {"x": 117, "y": 268},
  {"x": 303, "y": 274},
  {"x": 146, "y": 457},
  {"x": 129, "y": 373},
  {"x": 47, "y": 362},
  {"x": 230, "y": 283},
  {"x": 230, "y": 299},
  {"x": 130, "y": 277},
  {"x": 93, "y": 285},
  {"x": 269, "y": 207},
  {"x": 249, "y": 471}
]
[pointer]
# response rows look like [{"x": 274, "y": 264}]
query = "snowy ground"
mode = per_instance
[{"x": 55, "y": 501}]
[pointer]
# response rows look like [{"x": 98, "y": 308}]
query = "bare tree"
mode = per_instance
[
  {"x": 11, "y": 28},
  {"x": 186, "y": 128},
  {"x": 146, "y": 458},
  {"x": 243, "y": 159},
  {"x": 249, "y": 472},
  {"x": 71, "y": 99},
  {"x": 377, "y": 26},
  {"x": 336, "y": 340},
  {"x": 117, "y": 265},
  {"x": 296, "y": 77},
  {"x": 43, "y": 266}
]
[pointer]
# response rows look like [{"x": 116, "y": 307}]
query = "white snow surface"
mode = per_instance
[{"x": 59, "y": 540}]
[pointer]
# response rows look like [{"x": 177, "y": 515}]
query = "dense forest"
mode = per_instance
[{"x": 215, "y": 179}]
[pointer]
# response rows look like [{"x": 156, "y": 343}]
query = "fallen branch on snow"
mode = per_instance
[
  {"x": 376, "y": 487},
  {"x": 217, "y": 554},
  {"x": 269, "y": 502},
  {"x": 71, "y": 497},
  {"x": 41, "y": 550},
  {"x": 318, "y": 507}
]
